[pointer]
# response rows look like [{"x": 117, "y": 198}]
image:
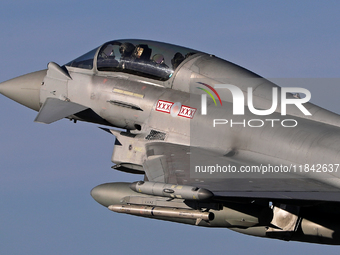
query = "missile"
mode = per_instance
[
  {"x": 167, "y": 212},
  {"x": 171, "y": 190}
]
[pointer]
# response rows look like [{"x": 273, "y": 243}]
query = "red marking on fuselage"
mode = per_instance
[{"x": 164, "y": 106}]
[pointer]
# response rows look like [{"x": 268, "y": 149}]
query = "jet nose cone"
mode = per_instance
[{"x": 24, "y": 89}]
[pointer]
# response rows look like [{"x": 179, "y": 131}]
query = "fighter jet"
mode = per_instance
[{"x": 211, "y": 143}]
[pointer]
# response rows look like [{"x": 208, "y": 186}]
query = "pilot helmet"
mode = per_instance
[{"x": 126, "y": 49}]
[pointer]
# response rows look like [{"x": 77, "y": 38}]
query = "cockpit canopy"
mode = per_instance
[{"x": 149, "y": 59}]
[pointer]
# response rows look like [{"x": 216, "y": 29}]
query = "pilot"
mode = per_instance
[
  {"x": 177, "y": 60},
  {"x": 126, "y": 50}
]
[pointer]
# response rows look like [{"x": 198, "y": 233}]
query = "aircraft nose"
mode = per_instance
[{"x": 25, "y": 89}]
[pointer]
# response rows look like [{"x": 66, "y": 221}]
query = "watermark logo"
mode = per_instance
[
  {"x": 239, "y": 99},
  {"x": 204, "y": 97}
]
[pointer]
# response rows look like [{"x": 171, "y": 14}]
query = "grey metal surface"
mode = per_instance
[
  {"x": 54, "y": 109},
  {"x": 24, "y": 89}
]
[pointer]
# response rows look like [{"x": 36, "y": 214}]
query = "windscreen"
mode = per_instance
[{"x": 85, "y": 61}]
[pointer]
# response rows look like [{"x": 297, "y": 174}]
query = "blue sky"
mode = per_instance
[{"x": 47, "y": 171}]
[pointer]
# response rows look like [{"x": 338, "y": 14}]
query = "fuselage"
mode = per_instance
[{"x": 157, "y": 93}]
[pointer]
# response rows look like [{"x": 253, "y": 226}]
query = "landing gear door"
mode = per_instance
[{"x": 55, "y": 83}]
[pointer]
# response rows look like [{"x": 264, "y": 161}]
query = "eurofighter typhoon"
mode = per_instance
[{"x": 211, "y": 143}]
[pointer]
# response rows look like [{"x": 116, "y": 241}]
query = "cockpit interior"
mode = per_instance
[{"x": 149, "y": 59}]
